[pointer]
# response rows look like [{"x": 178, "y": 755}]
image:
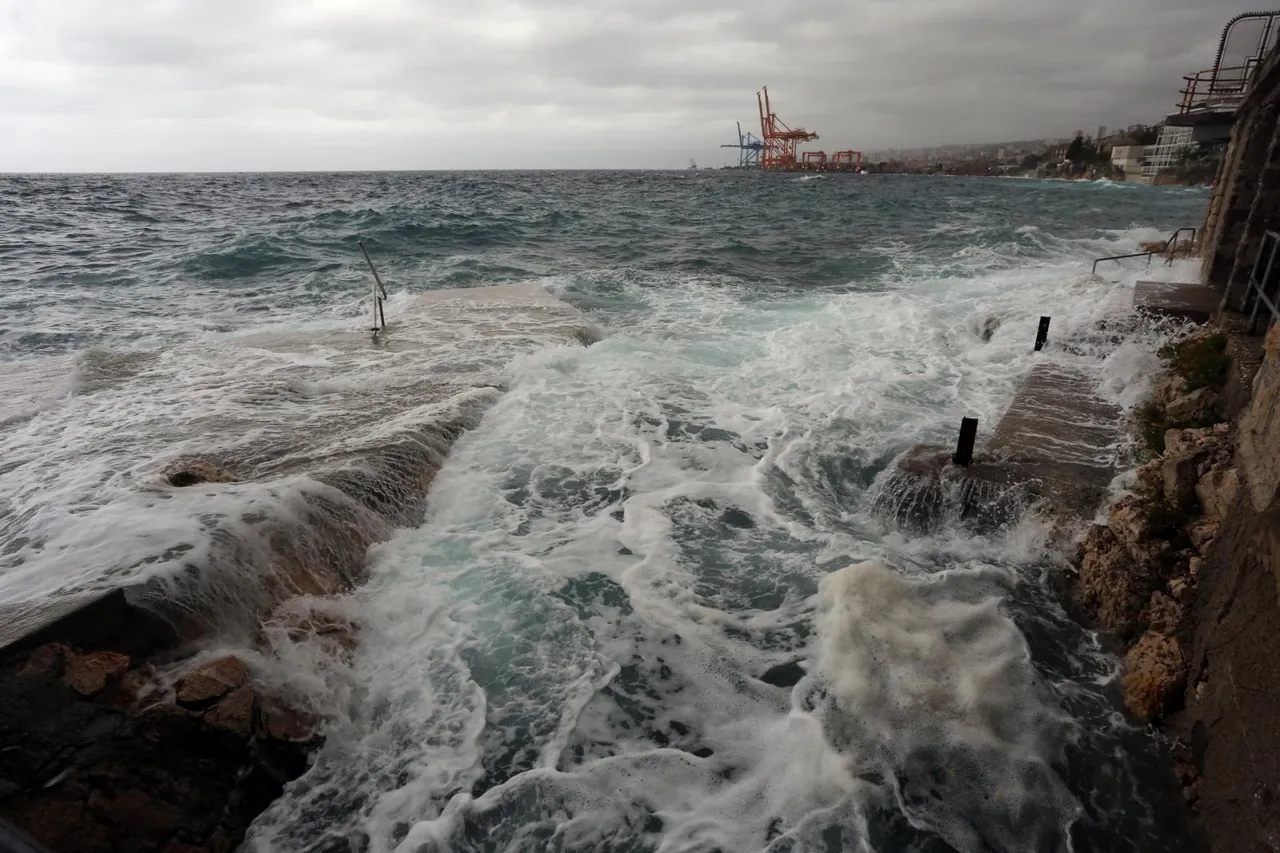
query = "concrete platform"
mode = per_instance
[
  {"x": 1056, "y": 443},
  {"x": 1195, "y": 302},
  {"x": 1059, "y": 434}
]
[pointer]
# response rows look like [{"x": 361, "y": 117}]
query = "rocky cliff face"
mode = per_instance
[{"x": 1187, "y": 572}]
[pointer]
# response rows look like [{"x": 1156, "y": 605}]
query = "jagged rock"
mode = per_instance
[
  {"x": 211, "y": 681},
  {"x": 48, "y": 659},
  {"x": 91, "y": 673},
  {"x": 1178, "y": 477},
  {"x": 1169, "y": 388},
  {"x": 1188, "y": 408},
  {"x": 1111, "y": 587},
  {"x": 1154, "y": 670},
  {"x": 148, "y": 818},
  {"x": 189, "y": 471},
  {"x": 1178, "y": 588},
  {"x": 234, "y": 712},
  {"x": 1189, "y": 442},
  {"x": 280, "y": 722},
  {"x": 1202, "y": 533},
  {"x": 93, "y": 777},
  {"x": 1216, "y": 491},
  {"x": 1163, "y": 614},
  {"x": 1194, "y": 566},
  {"x": 1148, "y": 477},
  {"x": 1128, "y": 521}
]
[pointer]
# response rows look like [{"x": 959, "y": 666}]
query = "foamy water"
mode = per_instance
[{"x": 650, "y": 606}]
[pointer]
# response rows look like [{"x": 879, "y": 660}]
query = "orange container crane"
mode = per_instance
[{"x": 780, "y": 141}]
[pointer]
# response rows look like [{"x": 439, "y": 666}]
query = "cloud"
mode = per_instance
[{"x": 426, "y": 84}]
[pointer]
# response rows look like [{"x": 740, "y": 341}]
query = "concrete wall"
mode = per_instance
[{"x": 1246, "y": 194}]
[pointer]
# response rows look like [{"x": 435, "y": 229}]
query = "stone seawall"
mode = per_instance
[{"x": 1187, "y": 573}]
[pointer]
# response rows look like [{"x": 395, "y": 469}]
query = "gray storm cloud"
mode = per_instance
[{"x": 88, "y": 85}]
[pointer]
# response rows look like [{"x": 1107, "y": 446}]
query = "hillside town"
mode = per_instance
[{"x": 1148, "y": 154}]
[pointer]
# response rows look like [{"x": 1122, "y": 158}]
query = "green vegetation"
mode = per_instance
[
  {"x": 1152, "y": 425},
  {"x": 1201, "y": 360}
]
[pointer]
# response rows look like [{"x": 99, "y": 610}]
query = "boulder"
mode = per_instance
[
  {"x": 1199, "y": 405},
  {"x": 1202, "y": 533},
  {"x": 1169, "y": 388},
  {"x": 211, "y": 681},
  {"x": 1163, "y": 613},
  {"x": 91, "y": 673},
  {"x": 277, "y": 721},
  {"x": 190, "y": 471},
  {"x": 1179, "y": 476},
  {"x": 1216, "y": 491},
  {"x": 234, "y": 713},
  {"x": 1111, "y": 587},
  {"x": 1128, "y": 521},
  {"x": 1154, "y": 669}
]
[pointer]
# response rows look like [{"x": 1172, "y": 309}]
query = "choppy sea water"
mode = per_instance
[{"x": 650, "y": 607}]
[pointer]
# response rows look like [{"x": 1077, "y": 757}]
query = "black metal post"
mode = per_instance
[
  {"x": 1043, "y": 334},
  {"x": 964, "y": 448}
]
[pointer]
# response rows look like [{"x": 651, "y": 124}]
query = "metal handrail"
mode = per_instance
[
  {"x": 379, "y": 319},
  {"x": 1170, "y": 245},
  {"x": 1263, "y": 290}
]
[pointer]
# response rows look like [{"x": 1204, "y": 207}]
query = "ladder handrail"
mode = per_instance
[
  {"x": 1169, "y": 247},
  {"x": 379, "y": 319}
]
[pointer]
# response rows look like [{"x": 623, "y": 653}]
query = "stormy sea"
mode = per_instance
[{"x": 649, "y": 601}]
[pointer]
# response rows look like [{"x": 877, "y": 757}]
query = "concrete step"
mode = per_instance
[{"x": 1196, "y": 302}]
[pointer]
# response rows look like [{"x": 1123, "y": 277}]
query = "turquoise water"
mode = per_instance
[{"x": 650, "y": 606}]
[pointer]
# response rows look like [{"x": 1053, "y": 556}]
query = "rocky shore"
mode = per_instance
[{"x": 1184, "y": 573}]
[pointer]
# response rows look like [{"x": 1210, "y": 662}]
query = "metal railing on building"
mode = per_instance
[
  {"x": 1215, "y": 89},
  {"x": 1264, "y": 282}
]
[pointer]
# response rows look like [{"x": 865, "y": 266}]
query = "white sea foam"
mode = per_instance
[{"x": 569, "y": 652}]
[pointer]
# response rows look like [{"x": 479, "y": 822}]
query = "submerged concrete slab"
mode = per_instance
[
  {"x": 1195, "y": 302},
  {"x": 1059, "y": 434},
  {"x": 1056, "y": 443}
]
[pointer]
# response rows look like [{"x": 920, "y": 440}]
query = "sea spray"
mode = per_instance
[{"x": 609, "y": 631}]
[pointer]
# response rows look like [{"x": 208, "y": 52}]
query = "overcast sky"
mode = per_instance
[{"x": 141, "y": 85}]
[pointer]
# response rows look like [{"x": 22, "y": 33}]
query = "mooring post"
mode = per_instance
[
  {"x": 964, "y": 448},
  {"x": 1042, "y": 334},
  {"x": 379, "y": 321}
]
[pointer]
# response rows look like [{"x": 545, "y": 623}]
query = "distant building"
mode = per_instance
[
  {"x": 1130, "y": 159},
  {"x": 1102, "y": 132},
  {"x": 1174, "y": 144}
]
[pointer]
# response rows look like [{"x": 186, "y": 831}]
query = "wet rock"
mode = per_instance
[
  {"x": 148, "y": 818},
  {"x": 1155, "y": 669},
  {"x": 211, "y": 681},
  {"x": 1128, "y": 522},
  {"x": 234, "y": 713},
  {"x": 1111, "y": 587},
  {"x": 737, "y": 518},
  {"x": 89, "y": 674},
  {"x": 1196, "y": 406},
  {"x": 190, "y": 471},
  {"x": 277, "y": 721},
  {"x": 784, "y": 675},
  {"x": 48, "y": 659},
  {"x": 1169, "y": 388},
  {"x": 1216, "y": 491},
  {"x": 92, "y": 776}
]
